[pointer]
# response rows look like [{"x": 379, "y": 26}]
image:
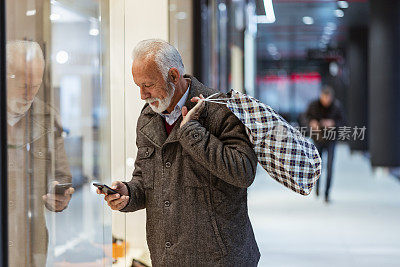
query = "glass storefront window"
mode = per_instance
[{"x": 57, "y": 120}]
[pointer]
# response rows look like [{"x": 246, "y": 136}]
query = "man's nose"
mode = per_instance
[{"x": 144, "y": 94}]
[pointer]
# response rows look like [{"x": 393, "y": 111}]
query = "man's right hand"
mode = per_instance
[
  {"x": 117, "y": 201},
  {"x": 314, "y": 124}
]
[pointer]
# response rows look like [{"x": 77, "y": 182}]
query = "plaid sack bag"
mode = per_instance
[{"x": 282, "y": 150}]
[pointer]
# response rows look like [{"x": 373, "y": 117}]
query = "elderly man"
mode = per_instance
[
  {"x": 193, "y": 167},
  {"x": 36, "y": 156}
]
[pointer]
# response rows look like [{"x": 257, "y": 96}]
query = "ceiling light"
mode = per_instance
[
  {"x": 269, "y": 13},
  {"x": 269, "y": 10},
  {"x": 308, "y": 20},
  {"x": 333, "y": 69},
  {"x": 55, "y": 16},
  {"x": 222, "y": 7},
  {"x": 94, "y": 28},
  {"x": 181, "y": 15},
  {"x": 62, "y": 57},
  {"x": 94, "y": 32},
  {"x": 339, "y": 13},
  {"x": 31, "y": 12},
  {"x": 343, "y": 4}
]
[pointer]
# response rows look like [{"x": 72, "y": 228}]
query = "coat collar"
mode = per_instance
[{"x": 155, "y": 131}]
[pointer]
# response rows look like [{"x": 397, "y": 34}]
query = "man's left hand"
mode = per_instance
[{"x": 195, "y": 112}]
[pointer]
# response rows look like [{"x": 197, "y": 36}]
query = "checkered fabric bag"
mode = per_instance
[{"x": 282, "y": 151}]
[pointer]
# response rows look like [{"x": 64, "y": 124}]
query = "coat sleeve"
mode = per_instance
[
  {"x": 229, "y": 155},
  {"x": 137, "y": 196}
]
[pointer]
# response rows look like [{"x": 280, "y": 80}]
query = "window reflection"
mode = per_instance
[
  {"x": 55, "y": 116},
  {"x": 34, "y": 143}
]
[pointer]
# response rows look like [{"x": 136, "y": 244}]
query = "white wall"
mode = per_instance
[{"x": 130, "y": 22}]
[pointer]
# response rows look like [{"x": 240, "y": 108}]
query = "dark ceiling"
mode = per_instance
[{"x": 289, "y": 38}]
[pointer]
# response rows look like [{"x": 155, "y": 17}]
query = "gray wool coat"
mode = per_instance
[{"x": 193, "y": 185}]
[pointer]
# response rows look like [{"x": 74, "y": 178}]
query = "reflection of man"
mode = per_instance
[
  {"x": 325, "y": 113},
  {"x": 192, "y": 168},
  {"x": 36, "y": 156}
]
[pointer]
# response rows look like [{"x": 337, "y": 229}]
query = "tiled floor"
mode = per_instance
[{"x": 360, "y": 227}]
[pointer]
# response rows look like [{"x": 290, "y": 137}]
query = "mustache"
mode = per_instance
[
  {"x": 151, "y": 100},
  {"x": 170, "y": 89}
]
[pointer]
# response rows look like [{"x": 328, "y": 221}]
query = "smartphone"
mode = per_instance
[
  {"x": 60, "y": 188},
  {"x": 105, "y": 189}
]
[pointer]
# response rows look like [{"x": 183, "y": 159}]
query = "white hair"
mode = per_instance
[
  {"x": 165, "y": 55},
  {"x": 30, "y": 50}
]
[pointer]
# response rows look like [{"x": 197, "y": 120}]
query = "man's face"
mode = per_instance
[
  {"x": 24, "y": 79},
  {"x": 326, "y": 100},
  {"x": 153, "y": 88}
]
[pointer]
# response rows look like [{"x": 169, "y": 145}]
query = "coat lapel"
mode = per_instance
[{"x": 154, "y": 130}]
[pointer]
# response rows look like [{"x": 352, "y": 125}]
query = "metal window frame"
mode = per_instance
[{"x": 3, "y": 140}]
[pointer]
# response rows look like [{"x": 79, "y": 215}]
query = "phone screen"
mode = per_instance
[
  {"x": 105, "y": 189},
  {"x": 60, "y": 188}
]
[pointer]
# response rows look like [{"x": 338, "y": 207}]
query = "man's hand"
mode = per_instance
[
  {"x": 117, "y": 201},
  {"x": 195, "y": 112},
  {"x": 314, "y": 124},
  {"x": 58, "y": 202},
  {"x": 327, "y": 123}
]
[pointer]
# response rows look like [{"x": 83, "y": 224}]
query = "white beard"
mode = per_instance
[{"x": 164, "y": 103}]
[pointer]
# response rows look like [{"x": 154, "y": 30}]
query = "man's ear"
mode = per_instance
[{"x": 173, "y": 75}]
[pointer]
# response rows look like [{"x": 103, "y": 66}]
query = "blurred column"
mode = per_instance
[
  {"x": 357, "y": 96},
  {"x": 180, "y": 27},
  {"x": 250, "y": 54},
  {"x": 130, "y": 23},
  {"x": 384, "y": 81}
]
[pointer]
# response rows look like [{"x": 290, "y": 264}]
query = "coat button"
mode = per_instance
[
  {"x": 196, "y": 135},
  {"x": 10, "y": 243},
  {"x": 168, "y": 164},
  {"x": 10, "y": 204},
  {"x": 167, "y": 244},
  {"x": 167, "y": 203},
  {"x": 147, "y": 153}
]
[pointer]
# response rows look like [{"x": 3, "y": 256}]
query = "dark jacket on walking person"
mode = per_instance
[
  {"x": 323, "y": 116},
  {"x": 325, "y": 109}
]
